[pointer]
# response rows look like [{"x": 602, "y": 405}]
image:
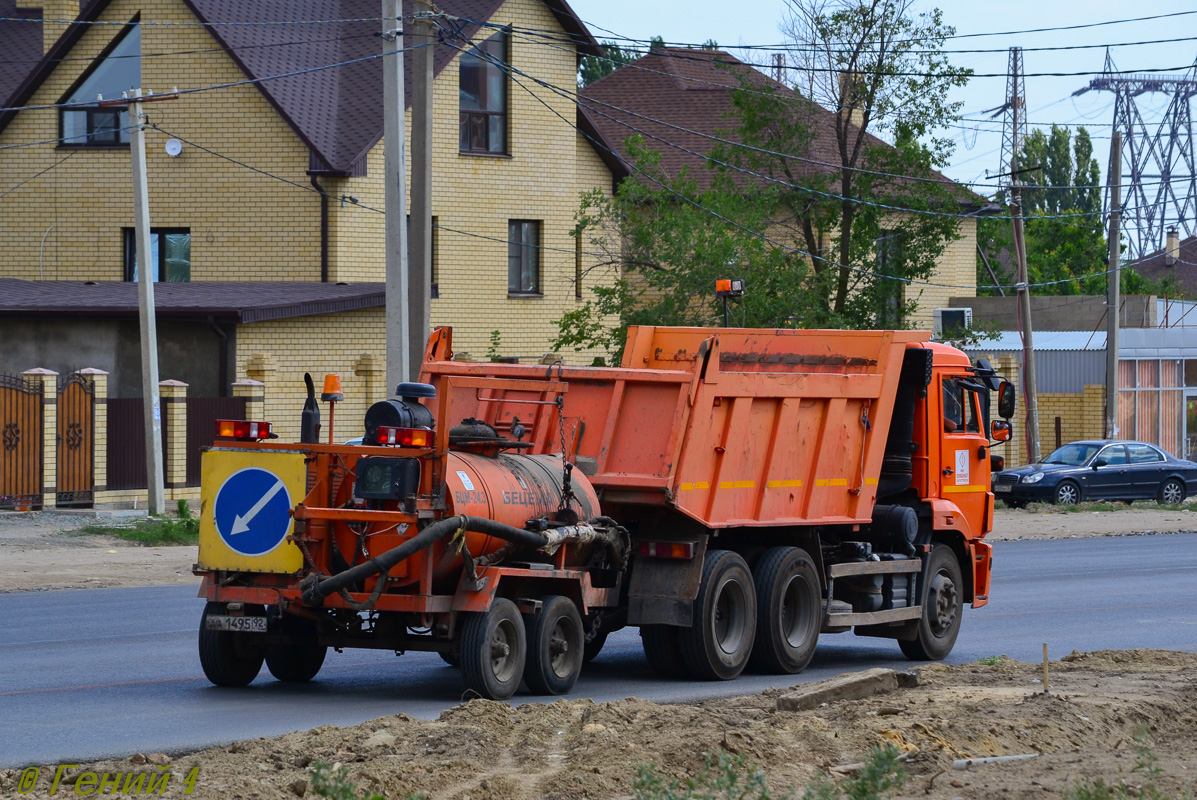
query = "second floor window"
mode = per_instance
[
  {"x": 483, "y": 97},
  {"x": 523, "y": 257},
  {"x": 117, "y": 71},
  {"x": 170, "y": 254}
]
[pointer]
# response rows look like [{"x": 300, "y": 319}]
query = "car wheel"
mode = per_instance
[
  {"x": 1015, "y": 503},
  {"x": 1067, "y": 494},
  {"x": 1172, "y": 492}
]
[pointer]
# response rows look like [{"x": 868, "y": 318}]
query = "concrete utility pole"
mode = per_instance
[
  {"x": 398, "y": 286},
  {"x": 1017, "y": 104},
  {"x": 420, "y": 264},
  {"x": 1113, "y": 301},
  {"x": 145, "y": 301}
]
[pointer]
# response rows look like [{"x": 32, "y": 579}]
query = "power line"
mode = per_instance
[
  {"x": 60, "y": 161},
  {"x": 199, "y": 24}
]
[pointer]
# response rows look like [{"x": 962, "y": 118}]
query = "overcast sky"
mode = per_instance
[{"x": 755, "y": 22}]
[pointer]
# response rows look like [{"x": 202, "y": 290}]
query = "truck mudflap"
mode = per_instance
[
  {"x": 982, "y": 553},
  {"x": 662, "y": 590}
]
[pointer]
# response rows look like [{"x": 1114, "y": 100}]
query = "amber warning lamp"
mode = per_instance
[
  {"x": 726, "y": 288},
  {"x": 332, "y": 395}
]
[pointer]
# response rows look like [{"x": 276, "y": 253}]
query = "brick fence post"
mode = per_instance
[
  {"x": 48, "y": 379},
  {"x": 174, "y": 462},
  {"x": 372, "y": 369},
  {"x": 99, "y": 398},
  {"x": 255, "y": 397}
]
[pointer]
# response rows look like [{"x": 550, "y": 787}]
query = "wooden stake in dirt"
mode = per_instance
[{"x": 1045, "y": 668}]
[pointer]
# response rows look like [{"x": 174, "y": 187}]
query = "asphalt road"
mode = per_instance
[{"x": 98, "y": 673}]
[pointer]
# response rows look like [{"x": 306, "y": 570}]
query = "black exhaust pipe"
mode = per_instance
[{"x": 309, "y": 420}]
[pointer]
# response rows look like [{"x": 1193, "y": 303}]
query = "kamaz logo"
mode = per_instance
[{"x": 520, "y": 499}]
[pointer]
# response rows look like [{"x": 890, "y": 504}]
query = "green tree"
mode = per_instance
[{"x": 593, "y": 67}]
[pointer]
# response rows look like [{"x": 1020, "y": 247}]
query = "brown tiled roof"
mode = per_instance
[
  {"x": 238, "y": 302},
  {"x": 336, "y": 112},
  {"x": 690, "y": 89},
  {"x": 20, "y": 45},
  {"x": 1184, "y": 271}
]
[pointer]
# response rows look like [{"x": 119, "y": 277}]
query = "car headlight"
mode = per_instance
[{"x": 1034, "y": 477}]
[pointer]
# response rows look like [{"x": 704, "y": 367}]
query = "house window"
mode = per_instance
[
  {"x": 115, "y": 71},
  {"x": 483, "y": 97},
  {"x": 523, "y": 257},
  {"x": 170, "y": 253}
]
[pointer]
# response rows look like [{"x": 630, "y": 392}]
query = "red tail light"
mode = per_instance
[
  {"x": 404, "y": 437},
  {"x": 667, "y": 549},
  {"x": 242, "y": 430}
]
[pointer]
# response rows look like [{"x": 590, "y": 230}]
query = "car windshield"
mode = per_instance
[{"x": 1074, "y": 455}]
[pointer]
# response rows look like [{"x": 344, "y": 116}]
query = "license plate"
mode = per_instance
[
  {"x": 243, "y": 624},
  {"x": 1002, "y": 487}
]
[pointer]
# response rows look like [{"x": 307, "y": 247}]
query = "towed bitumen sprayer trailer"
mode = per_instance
[{"x": 733, "y": 493}]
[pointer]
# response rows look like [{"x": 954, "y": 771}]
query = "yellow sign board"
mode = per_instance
[{"x": 245, "y": 512}]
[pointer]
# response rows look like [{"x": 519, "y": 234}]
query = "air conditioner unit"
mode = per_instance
[{"x": 950, "y": 321}]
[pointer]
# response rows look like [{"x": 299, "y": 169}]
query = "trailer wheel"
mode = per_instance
[
  {"x": 788, "y": 596},
  {"x": 555, "y": 647},
  {"x": 718, "y": 644},
  {"x": 494, "y": 646},
  {"x": 591, "y": 649},
  {"x": 452, "y": 659},
  {"x": 663, "y": 651},
  {"x": 298, "y": 662},
  {"x": 943, "y": 608},
  {"x": 230, "y": 658}
]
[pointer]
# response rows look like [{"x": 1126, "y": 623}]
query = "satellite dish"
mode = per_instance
[{"x": 173, "y": 147}]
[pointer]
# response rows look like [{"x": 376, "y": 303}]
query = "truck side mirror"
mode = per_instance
[
  {"x": 1001, "y": 430},
  {"x": 1100, "y": 462},
  {"x": 1006, "y": 398}
]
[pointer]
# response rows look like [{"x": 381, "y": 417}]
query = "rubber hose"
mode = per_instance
[{"x": 438, "y": 530}]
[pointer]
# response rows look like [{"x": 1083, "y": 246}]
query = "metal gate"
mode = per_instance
[
  {"x": 76, "y": 441},
  {"x": 20, "y": 442},
  {"x": 202, "y": 413}
]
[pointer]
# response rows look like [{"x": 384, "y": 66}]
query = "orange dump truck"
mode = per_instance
[{"x": 732, "y": 493}]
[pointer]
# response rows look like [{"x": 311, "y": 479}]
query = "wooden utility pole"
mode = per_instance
[
  {"x": 145, "y": 302},
  {"x": 1113, "y": 301},
  {"x": 422, "y": 40},
  {"x": 1023, "y": 288},
  {"x": 398, "y": 287}
]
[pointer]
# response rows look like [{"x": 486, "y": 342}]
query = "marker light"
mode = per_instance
[
  {"x": 332, "y": 389},
  {"x": 667, "y": 549},
  {"x": 242, "y": 430},
  {"x": 404, "y": 437}
]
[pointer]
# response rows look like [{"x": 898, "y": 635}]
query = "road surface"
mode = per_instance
[{"x": 90, "y": 674}]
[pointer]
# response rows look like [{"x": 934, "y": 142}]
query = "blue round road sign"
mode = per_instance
[{"x": 252, "y": 511}]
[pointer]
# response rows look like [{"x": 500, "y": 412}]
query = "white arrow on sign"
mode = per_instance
[{"x": 241, "y": 521}]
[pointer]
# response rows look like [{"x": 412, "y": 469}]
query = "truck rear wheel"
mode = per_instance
[
  {"x": 494, "y": 647},
  {"x": 298, "y": 662},
  {"x": 555, "y": 647},
  {"x": 788, "y": 596},
  {"x": 663, "y": 651},
  {"x": 230, "y": 658},
  {"x": 717, "y": 646},
  {"x": 943, "y": 608}
]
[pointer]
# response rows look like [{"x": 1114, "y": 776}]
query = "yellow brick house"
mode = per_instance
[{"x": 266, "y": 188}]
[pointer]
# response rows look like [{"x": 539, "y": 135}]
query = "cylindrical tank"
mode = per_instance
[{"x": 511, "y": 489}]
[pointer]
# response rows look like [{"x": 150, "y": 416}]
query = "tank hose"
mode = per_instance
[{"x": 315, "y": 593}]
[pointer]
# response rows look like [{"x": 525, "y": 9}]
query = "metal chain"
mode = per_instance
[{"x": 567, "y": 467}]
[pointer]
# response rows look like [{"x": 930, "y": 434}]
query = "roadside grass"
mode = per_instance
[
  {"x": 152, "y": 532},
  {"x": 1080, "y": 508},
  {"x": 1140, "y": 783},
  {"x": 993, "y": 661}
]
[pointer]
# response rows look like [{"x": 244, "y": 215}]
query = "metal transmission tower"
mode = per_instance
[
  {"x": 1014, "y": 120},
  {"x": 1159, "y": 169}
]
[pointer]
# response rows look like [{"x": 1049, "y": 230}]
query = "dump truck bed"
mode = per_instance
[{"x": 733, "y": 427}]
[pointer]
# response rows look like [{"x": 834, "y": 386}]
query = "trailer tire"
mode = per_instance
[
  {"x": 591, "y": 649},
  {"x": 717, "y": 646},
  {"x": 230, "y": 658},
  {"x": 943, "y": 608},
  {"x": 299, "y": 662},
  {"x": 788, "y": 611},
  {"x": 556, "y": 641},
  {"x": 663, "y": 651},
  {"x": 452, "y": 659},
  {"x": 494, "y": 646}
]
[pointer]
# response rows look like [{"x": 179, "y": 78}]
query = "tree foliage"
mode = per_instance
[
  {"x": 817, "y": 244},
  {"x": 593, "y": 67}
]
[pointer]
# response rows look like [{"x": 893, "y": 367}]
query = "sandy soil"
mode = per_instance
[
  {"x": 40, "y": 551},
  {"x": 1085, "y": 728}
]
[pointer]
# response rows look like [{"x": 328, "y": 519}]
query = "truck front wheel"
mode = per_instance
[
  {"x": 230, "y": 658},
  {"x": 717, "y": 646},
  {"x": 788, "y": 596},
  {"x": 494, "y": 647},
  {"x": 943, "y": 608}
]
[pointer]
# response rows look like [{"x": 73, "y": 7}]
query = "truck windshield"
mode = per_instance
[{"x": 1074, "y": 455}]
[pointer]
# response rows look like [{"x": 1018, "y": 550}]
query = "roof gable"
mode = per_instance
[{"x": 21, "y": 44}]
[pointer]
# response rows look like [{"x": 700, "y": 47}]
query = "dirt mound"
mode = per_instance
[{"x": 481, "y": 750}]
